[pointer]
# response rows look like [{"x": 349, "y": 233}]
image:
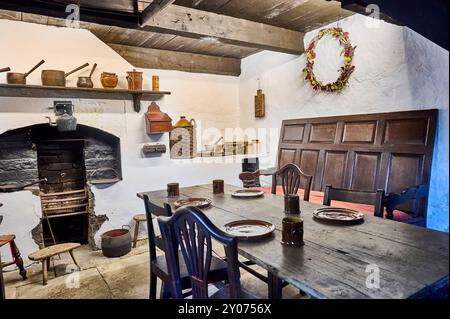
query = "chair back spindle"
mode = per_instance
[
  {"x": 291, "y": 176},
  {"x": 291, "y": 179},
  {"x": 192, "y": 232},
  {"x": 150, "y": 211}
]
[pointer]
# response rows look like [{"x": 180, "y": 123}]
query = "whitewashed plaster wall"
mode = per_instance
[
  {"x": 211, "y": 99},
  {"x": 396, "y": 70}
]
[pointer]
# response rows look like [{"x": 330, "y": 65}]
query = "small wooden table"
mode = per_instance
[
  {"x": 44, "y": 255},
  {"x": 336, "y": 261}
]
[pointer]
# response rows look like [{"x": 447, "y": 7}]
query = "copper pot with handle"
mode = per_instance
[
  {"x": 56, "y": 77},
  {"x": 86, "y": 81},
  {"x": 21, "y": 78}
]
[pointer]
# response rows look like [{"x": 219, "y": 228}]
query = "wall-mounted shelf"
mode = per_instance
[{"x": 18, "y": 90}]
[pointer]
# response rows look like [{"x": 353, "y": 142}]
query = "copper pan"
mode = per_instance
[
  {"x": 86, "y": 81},
  {"x": 21, "y": 78},
  {"x": 56, "y": 77}
]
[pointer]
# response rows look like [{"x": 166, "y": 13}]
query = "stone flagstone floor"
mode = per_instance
[{"x": 126, "y": 277}]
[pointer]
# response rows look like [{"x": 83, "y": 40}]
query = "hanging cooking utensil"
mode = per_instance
[
  {"x": 15, "y": 187},
  {"x": 5, "y": 70},
  {"x": 86, "y": 81},
  {"x": 21, "y": 78},
  {"x": 57, "y": 77}
]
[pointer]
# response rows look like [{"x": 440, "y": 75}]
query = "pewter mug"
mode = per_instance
[
  {"x": 218, "y": 186},
  {"x": 173, "y": 190},
  {"x": 292, "y": 231},
  {"x": 291, "y": 204}
]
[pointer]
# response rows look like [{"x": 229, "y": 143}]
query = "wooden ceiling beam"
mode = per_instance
[
  {"x": 180, "y": 61},
  {"x": 199, "y": 24},
  {"x": 139, "y": 37},
  {"x": 182, "y": 21},
  {"x": 153, "y": 9},
  {"x": 87, "y": 14}
]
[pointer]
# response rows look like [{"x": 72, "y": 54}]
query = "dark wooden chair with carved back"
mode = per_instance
[
  {"x": 377, "y": 199},
  {"x": 158, "y": 265},
  {"x": 416, "y": 197},
  {"x": 290, "y": 176},
  {"x": 191, "y": 231}
]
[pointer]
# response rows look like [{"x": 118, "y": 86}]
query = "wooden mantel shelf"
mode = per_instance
[{"x": 18, "y": 90}]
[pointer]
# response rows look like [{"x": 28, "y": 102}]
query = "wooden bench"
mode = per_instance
[
  {"x": 44, "y": 255},
  {"x": 366, "y": 152}
]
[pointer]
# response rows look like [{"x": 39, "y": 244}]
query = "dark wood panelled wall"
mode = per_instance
[{"x": 390, "y": 151}]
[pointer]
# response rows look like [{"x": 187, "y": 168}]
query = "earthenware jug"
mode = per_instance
[
  {"x": 183, "y": 143},
  {"x": 134, "y": 79}
]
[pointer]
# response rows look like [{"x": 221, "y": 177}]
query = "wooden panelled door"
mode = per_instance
[{"x": 390, "y": 151}]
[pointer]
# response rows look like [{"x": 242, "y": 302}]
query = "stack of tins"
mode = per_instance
[{"x": 183, "y": 139}]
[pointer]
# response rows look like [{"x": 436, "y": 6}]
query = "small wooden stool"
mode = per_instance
[
  {"x": 15, "y": 253},
  {"x": 138, "y": 219},
  {"x": 46, "y": 253}
]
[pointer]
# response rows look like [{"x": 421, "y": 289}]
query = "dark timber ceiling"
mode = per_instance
[
  {"x": 213, "y": 35},
  {"x": 299, "y": 15}
]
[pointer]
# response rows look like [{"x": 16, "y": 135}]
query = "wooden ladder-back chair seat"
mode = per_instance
[
  {"x": 192, "y": 232},
  {"x": 158, "y": 264},
  {"x": 377, "y": 199}
]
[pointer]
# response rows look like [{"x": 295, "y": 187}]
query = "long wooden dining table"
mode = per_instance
[{"x": 378, "y": 258}]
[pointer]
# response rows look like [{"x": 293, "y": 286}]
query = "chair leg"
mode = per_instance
[
  {"x": 165, "y": 291},
  {"x": 18, "y": 259},
  {"x": 153, "y": 283},
  {"x": 136, "y": 233}
]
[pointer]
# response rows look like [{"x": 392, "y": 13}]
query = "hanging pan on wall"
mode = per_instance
[
  {"x": 57, "y": 77},
  {"x": 21, "y": 78}
]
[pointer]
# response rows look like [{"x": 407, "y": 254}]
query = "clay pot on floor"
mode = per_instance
[{"x": 116, "y": 243}]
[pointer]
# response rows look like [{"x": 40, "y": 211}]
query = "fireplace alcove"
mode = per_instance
[{"x": 69, "y": 161}]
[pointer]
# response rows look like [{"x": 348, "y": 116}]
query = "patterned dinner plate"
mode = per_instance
[
  {"x": 200, "y": 203},
  {"x": 249, "y": 229},
  {"x": 247, "y": 193},
  {"x": 338, "y": 215}
]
